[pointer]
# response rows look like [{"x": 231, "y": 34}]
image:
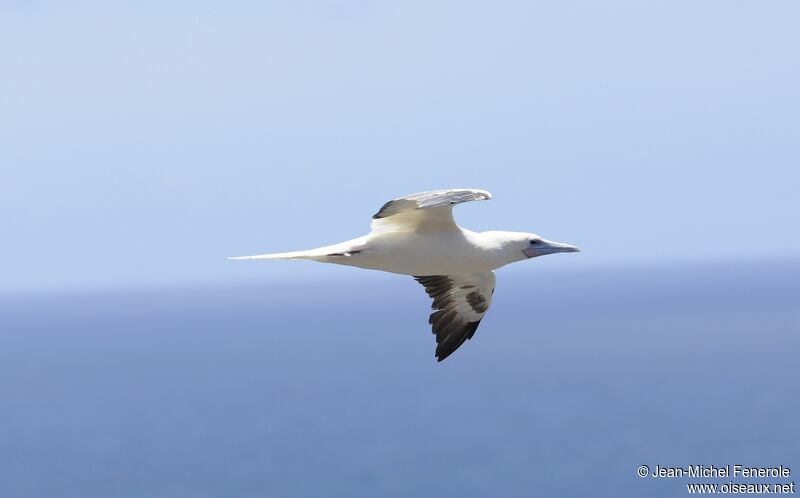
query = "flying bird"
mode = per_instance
[{"x": 416, "y": 235}]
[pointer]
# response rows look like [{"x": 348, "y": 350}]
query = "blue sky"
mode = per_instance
[{"x": 142, "y": 143}]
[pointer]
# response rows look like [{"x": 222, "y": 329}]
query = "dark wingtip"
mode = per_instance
[
  {"x": 448, "y": 347},
  {"x": 380, "y": 214}
]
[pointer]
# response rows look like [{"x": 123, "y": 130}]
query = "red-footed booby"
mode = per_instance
[{"x": 416, "y": 235}]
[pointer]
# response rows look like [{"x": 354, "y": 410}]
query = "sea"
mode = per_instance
[{"x": 329, "y": 388}]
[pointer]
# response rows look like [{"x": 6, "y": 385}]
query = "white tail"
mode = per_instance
[
  {"x": 318, "y": 254},
  {"x": 283, "y": 255}
]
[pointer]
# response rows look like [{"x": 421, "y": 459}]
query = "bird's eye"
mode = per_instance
[{"x": 534, "y": 242}]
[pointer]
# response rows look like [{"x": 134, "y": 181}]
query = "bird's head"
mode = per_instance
[
  {"x": 533, "y": 245},
  {"x": 519, "y": 246}
]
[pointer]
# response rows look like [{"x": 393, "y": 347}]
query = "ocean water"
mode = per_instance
[{"x": 330, "y": 388}]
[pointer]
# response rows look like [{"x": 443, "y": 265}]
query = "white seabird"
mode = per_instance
[{"x": 416, "y": 235}]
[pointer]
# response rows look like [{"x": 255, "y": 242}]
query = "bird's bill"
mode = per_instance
[{"x": 548, "y": 247}]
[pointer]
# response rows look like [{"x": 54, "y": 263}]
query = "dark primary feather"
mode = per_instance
[{"x": 452, "y": 329}]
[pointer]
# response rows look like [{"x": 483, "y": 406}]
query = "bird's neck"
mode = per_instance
[{"x": 499, "y": 247}]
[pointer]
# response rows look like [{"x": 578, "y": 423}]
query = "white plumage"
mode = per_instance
[{"x": 417, "y": 235}]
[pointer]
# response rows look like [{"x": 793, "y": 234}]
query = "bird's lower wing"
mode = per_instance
[
  {"x": 432, "y": 209},
  {"x": 459, "y": 303}
]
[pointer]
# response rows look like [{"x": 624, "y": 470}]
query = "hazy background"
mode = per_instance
[{"x": 142, "y": 143}]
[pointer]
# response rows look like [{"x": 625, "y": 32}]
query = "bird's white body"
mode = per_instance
[
  {"x": 420, "y": 253},
  {"x": 417, "y": 235}
]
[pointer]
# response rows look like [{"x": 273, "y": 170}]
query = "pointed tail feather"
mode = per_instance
[
  {"x": 319, "y": 254},
  {"x": 282, "y": 255}
]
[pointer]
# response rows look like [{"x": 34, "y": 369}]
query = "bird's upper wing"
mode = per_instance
[
  {"x": 459, "y": 303},
  {"x": 431, "y": 210}
]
